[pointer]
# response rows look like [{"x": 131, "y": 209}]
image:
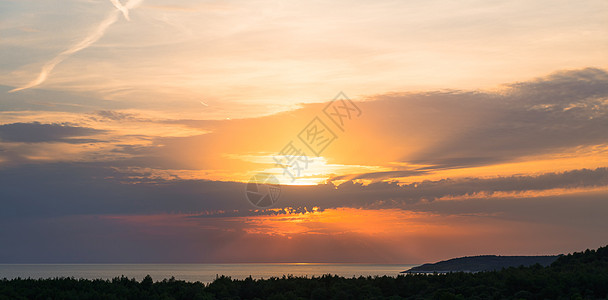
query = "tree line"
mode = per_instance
[{"x": 581, "y": 275}]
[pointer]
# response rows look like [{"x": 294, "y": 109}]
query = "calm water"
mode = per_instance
[{"x": 194, "y": 272}]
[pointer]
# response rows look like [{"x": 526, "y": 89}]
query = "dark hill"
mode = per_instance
[{"x": 482, "y": 263}]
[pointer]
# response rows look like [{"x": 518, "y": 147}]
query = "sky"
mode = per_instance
[{"x": 138, "y": 131}]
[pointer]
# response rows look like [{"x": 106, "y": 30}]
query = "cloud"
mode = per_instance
[
  {"x": 122, "y": 201},
  {"x": 393, "y": 195},
  {"x": 40, "y": 100},
  {"x": 124, "y": 10},
  {"x": 91, "y": 213},
  {"x": 443, "y": 129},
  {"x": 401, "y": 134},
  {"x": 547, "y": 115},
  {"x": 94, "y": 188},
  {"x": 439, "y": 130},
  {"x": 379, "y": 175},
  {"x": 115, "y": 115},
  {"x": 95, "y": 35},
  {"x": 36, "y": 132}
]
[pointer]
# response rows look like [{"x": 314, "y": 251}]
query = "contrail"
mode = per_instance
[
  {"x": 88, "y": 41},
  {"x": 123, "y": 10}
]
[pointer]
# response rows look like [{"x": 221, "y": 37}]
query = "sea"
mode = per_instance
[{"x": 204, "y": 273}]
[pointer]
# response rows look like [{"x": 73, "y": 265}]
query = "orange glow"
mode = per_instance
[
  {"x": 356, "y": 235},
  {"x": 383, "y": 222}
]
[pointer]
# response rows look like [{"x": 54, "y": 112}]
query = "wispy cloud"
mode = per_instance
[
  {"x": 99, "y": 31},
  {"x": 124, "y": 10}
]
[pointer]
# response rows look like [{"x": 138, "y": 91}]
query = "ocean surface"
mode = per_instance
[{"x": 195, "y": 272}]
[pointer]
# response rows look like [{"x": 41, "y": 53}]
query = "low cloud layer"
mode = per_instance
[
  {"x": 36, "y": 132},
  {"x": 76, "y": 189},
  {"x": 77, "y": 211}
]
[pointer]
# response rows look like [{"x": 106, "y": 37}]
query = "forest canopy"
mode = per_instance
[{"x": 581, "y": 275}]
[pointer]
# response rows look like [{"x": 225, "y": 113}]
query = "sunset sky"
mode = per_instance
[{"x": 130, "y": 128}]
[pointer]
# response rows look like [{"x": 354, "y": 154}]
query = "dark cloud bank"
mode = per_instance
[
  {"x": 36, "y": 132},
  {"x": 77, "y": 189}
]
